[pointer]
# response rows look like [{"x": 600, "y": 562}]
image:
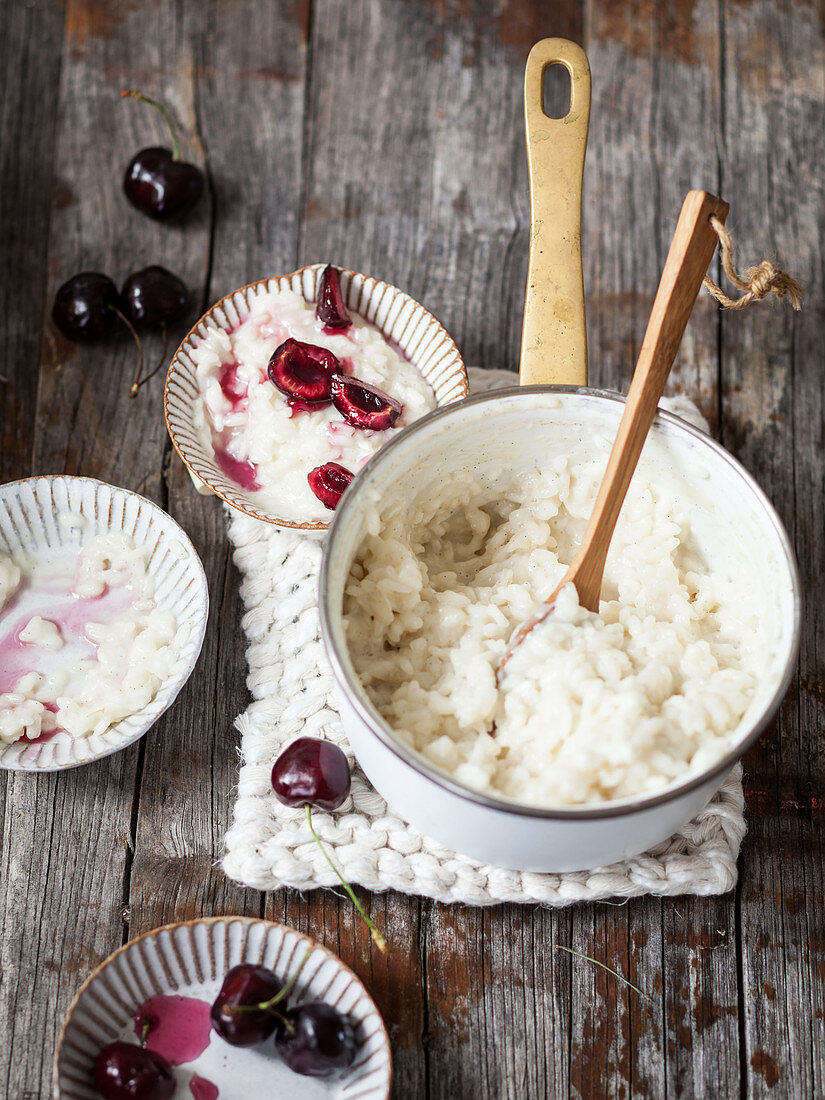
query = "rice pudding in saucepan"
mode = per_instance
[
  {"x": 294, "y": 389},
  {"x": 591, "y": 708},
  {"x": 82, "y": 642}
]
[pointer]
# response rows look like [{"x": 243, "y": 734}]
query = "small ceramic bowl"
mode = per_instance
[
  {"x": 522, "y": 430},
  {"x": 30, "y": 512},
  {"x": 422, "y": 339},
  {"x": 190, "y": 960}
]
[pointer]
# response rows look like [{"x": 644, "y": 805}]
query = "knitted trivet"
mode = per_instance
[{"x": 269, "y": 845}]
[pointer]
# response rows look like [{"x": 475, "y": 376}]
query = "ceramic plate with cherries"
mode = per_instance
[{"x": 219, "y": 1009}]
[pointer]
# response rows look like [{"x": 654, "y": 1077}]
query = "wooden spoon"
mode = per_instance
[{"x": 691, "y": 251}]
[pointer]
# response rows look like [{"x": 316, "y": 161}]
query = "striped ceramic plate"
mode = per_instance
[
  {"x": 33, "y": 518},
  {"x": 424, "y": 341},
  {"x": 191, "y": 959}
]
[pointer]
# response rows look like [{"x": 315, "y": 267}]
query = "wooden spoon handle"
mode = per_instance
[
  {"x": 687, "y": 261},
  {"x": 554, "y": 339}
]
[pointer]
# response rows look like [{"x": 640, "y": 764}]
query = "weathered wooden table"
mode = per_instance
[{"x": 387, "y": 135}]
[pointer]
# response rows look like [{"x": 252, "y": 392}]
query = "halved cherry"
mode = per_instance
[
  {"x": 364, "y": 406},
  {"x": 329, "y": 308},
  {"x": 302, "y": 370},
  {"x": 328, "y": 482}
]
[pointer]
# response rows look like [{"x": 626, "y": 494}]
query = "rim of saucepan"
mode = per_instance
[
  {"x": 209, "y": 317},
  {"x": 588, "y": 811}
]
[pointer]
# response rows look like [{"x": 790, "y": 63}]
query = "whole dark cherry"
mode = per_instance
[
  {"x": 315, "y": 1040},
  {"x": 153, "y": 296},
  {"x": 84, "y": 307},
  {"x": 233, "y": 1014},
  {"x": 311, "y": 771},
  {"x": 124, "y": 1071},
  {"x": 314, "y": 773},
  {"x": 157, "y": 182}
]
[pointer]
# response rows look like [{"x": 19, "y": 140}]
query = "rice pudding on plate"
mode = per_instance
[
  {"x": 266, "y": 414},
  {"x": 103, "y": 616},
  {"x": 83, "y": 642},
  {"x": 591, "y": 709}
]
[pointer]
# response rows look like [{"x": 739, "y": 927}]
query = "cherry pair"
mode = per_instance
[
  {"x": 313, "y": 1039},
  {"x": 88, "y": 307}
]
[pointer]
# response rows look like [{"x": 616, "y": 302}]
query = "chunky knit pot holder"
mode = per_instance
[{"x": 291, "y": 682}]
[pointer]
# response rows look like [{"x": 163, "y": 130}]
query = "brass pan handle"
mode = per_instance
[{"x": 554, "y": 338}]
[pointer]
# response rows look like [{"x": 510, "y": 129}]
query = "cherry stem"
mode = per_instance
[
  {"x": 268, "y": 1006},
  {"x": 377, "y": 938},
  {"x": 133, "y": 93},
  {"x": 136, "y": 386},
  {"x": 147, "y": 1023}
]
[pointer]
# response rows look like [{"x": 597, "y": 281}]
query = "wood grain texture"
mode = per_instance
[
  {"x": 64, "y": 839},
  {"x": 388, "y": 135},
  {"x": 656, "y": 88},
  {"x": 31, "y": 55},
  {"x": 246, "y": 92},
  {"x": 772, "y": 419}
]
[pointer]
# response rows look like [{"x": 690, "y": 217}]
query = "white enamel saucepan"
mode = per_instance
[{"x": 523, "y": 429}]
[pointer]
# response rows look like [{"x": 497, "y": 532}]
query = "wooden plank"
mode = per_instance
[
  {"x": 249, "y": 92},
  {"x": 30, "y": 48},
  {"x": 600, "y": 1050},
  {"x": 419, "y": 217},
  {"x": 459, "y": 1014},
  {"x": 498, "y": 1001},
  {"x": 656, "y": 98},
  {"x": 774, "y": 85},
  {"x": 65, "y": 846},
  {"x": 64, "y": 909},
  {"x": 58, "y": 913},
  {"x": 444, "y": 213},
  {"x": 700, "y": 1044},
  {"x": 94, "y": 427},
  {"x": 340, "y": 136}
]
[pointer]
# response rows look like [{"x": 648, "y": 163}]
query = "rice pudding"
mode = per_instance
[
  {"x": 591, "y": 708},
  {"x": 83, "y": 643},
  {"x": 270, "y": 428}
]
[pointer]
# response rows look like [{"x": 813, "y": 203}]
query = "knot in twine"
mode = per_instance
[{"x": 757, "y": 282}]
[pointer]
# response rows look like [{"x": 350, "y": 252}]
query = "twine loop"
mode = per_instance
[{"x": 756, "y": 283}]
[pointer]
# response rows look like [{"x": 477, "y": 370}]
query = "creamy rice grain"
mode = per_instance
[
  {"x": 592, "y": 707},
  {"x": 83, "y": 643}
]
